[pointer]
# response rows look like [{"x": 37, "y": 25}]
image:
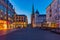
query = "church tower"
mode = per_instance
[{"x": 32, "y": 15}]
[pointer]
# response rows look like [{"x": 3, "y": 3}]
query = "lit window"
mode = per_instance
[
  {"x": 5, "y": 17},
  {"x": 9, "y": 19},
  {"x": 1, "y": 15}
]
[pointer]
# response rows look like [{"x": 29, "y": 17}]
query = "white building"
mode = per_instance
[
  {"x": 38, "y": 19},
  {"x": 53, "y": 12}
]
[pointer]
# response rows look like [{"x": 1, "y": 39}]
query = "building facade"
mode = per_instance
[
  {"x": 37, "y": 19},
  {"x": 6, "y": 13},
  {"x": 53, "y": 13},
  {"x": 20, "y": 21}
]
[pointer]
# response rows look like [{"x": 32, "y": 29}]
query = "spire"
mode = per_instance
[
  {"x": 37, "y": 12},
  {"x": 33, "y": 9}
]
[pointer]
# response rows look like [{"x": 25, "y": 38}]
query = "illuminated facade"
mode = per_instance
[
  {"x": 20, "y": 21},
  {"x": 53, "y": 13},
  {"x": 37, "y": 19},
  {"x": 6, "y": 13}
]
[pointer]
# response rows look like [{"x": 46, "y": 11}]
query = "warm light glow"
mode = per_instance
[
  {"x": 19, "y": 24},
  {"x": 5, "y": 26},
  {"x": 54, "y": 25},
  {"x": 34, "y": 25}
]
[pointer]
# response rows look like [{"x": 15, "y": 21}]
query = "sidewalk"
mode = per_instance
[{"x": 6, "y": 31}]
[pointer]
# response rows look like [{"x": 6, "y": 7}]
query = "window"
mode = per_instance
[
  {"x": 59, "y": 1},
  {"x": 57, "y": 17},
  {"x": 2, "y": 8},
  {"x": 50, "y": 15},
  {"x": 50, "y": 10},
  {"x": 10, "y": 13},
  {"x": 59, "y": 9},
  {"x": 6, "y": 1}
]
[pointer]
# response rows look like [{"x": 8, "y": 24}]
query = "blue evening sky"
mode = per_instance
[{"x": 25, "y": 6}]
